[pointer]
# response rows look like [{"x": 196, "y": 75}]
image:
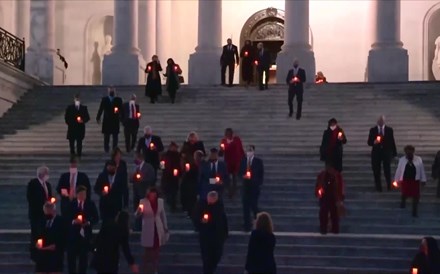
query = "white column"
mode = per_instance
[
  {"x": 40, "y": 58},
  {"x": 163, "y": 29},
  {"x": 204, "y": 64},
  {"x": 22, "y": 19},
  {"x": 296, "y": 41},
  {"x": 387, "y": 60},
  {"x": 122, "y": 66},
  {"x": 147, "y": 28}
]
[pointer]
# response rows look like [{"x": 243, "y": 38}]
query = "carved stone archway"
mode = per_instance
[{"x": 431, "y": 34}]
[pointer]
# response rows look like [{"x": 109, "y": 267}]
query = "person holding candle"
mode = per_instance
[
  {"x": 381, "y": 139},
  {"x": 171, "y": 175},
  {"x": 188, "y": 186},
  {"x": 320, "y": 78},
  {"x": 113, "y": 236},
  {"x": 154, "y": 229},
  {"x": 153, "y": 87},
  {"x": 111, "y": 107},
  {"x": 130, "y": 119},
  {"x": 172, "y": 84},
  {"x": 82, "y": 216},
  {"x": 247, "y": 55},
  {"x": 150, "y": 146},
  {"x": 263, "y": 61},
  {"x": 435, "y": 172},
  {"x": 50, "y": 242},
  {"x": 212, "y": 224},
  {"x": 68, "y": 183},
  {"x": 76, "y": 116},
  {"x": 410, "y": 173},
  {"x": 252, "y": 174},
  {"x": 213, "y": 176},
  {"x": 143, "y": 177},
  {"x": 296, "y": 77},
  {"x": 229, "y": 59},
  {"x": 231, "y": 148},
  {"x": 333, "y": 139},
  {"x": 260, "y": 255},
  {"x": 427, "y": 260},
  {"x": 329, "y": 189}
]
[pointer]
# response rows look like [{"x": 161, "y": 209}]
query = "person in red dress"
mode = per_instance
[
  {"x": 232, "y": 150},
  {"x": 409, "y": 175}
]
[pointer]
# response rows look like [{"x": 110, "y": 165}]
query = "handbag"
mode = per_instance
[{"x": 181, "y": 79}]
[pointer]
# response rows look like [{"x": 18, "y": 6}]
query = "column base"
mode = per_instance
[
  {"x": 121, "y": 68},
  {"x": 285, "y": 59},
  {"x": 388, "y": 65},
  {"x": 46, "y": 66},
  {"x": 204, "y": 68}
]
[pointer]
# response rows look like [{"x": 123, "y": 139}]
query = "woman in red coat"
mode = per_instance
[{"x": 232, "y": 150}]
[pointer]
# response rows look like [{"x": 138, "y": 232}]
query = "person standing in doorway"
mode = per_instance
[
  {"x": 154, "y": 84},
  {"x": 247, "y": 55},
  {"x": 76, "y": 117},
  {"x": 228, "y": 59},
  {"x": 295, "y": 79},
  {"x": 111, "y": 106},
  {"x": 263, "y": 64}
]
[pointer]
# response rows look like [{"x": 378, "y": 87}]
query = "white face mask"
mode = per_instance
[
  {"x": 73, "y": 170},
  {"x": 131, "y": 101},
  {"x": 77, "y": 103},
  {"x": 333, "y": 127},
  {"x": 46, "y": 178},
  {"x": 250, "y": 154}
]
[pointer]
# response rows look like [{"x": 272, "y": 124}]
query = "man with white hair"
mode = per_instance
[
  {"x": 296, "y": 77},
  {"x": 150, "y": 146},
  {"x": 381, "y": 139},
  {"x": 38, "y": 192},
  {"x": 130, "y": 119}
]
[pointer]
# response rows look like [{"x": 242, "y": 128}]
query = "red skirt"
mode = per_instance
[{"x": 411, "y": 188}]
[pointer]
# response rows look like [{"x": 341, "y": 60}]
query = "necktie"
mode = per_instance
[
  {"x": 72, "y": 186},
  {"x": 133, "y": 111},
  {"x": 249, "y": 163},
  {"x": 81, "y": 206},
  {"x": 213, "y": 171},
  {"x": 48, "y": 223},
  {"x": 45, "y": 190}
]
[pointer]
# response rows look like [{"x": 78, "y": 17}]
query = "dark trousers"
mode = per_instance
[
  {"x": 260, "y": 77},
  {"x": 107, "y": 140},
  {"x": 438, "y": 188},
  {"x": 231, "y": 67},
  {"x": 211, "y": 256},
  {"x": 376, "y": 161},
  {"x": 415, "y": 205},
  {"x": 328, "y": 206},
  {"x": 172, "y": 93},
  {"x": 335, "y": 161},
  {"x": 232, "y": 187},
  {"x": 188, "y": 196},
  {"x": 35, "y": 223},
  {"x": 250, "y": 195},
  {"x": 171, "y": 190},
  {"x": 299, "y": 100},
  {"x": 77, "y": 259},
  {"x": 130, "y": 134},
  {"x": 78, "y": 146}
]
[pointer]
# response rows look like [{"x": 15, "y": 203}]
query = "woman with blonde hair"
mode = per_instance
[
  {"x": 191, "y": 145},
  {"x": 260, "y": 257}
]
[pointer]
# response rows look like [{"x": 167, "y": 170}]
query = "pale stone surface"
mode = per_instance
[
  {"x": 163, "y": 30},
  {"x": 147, "y": 28}
]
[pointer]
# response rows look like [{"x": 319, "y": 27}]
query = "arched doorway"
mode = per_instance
[
  {"x": 97, "y": 43},
  {"x": 266, "y": 26},
  {"x": 431, "y": 44}
]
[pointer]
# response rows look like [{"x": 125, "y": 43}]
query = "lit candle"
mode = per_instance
[
  {"x": 80, "y": 218},
  {"x": 217, "y": 179},
  {"x": 187, "y": 166},
  {"x": 340, "y": 134},
  {"x": 378, "y": 138},
  {"x": 246, "y": 53},
  {"x": 106, "y": 189},
  {"x": 256, "y": 62},
  {"x": 116, "y": 109},
  {"x": 40, "y": 243},
  {"x": 176, "y": 68},
  {"x": 222, "y": 146},
  {"x": 78, "y": 119},
  {"x": 141, "y": 208},
  {"x": 152, "y": 146},
  {"x": 138, "y": 115},
  {"x": 175, "y": 172},
  {"x": 415, "y": 271},
  {"x": 320, "y": 192},
  {"x": 162, "y": 164},
  {"x": 248, "y": 174},
  {"x": 149, "y": 68},
  {"x": 319, "y": 81},
  {"x": 395, "y": 184},
  {"x": 53, "y": 200},
  {"x": 295, "y": 79},
  {"x": 205, "y": 217},
  {"x": 138, "y": 176}
]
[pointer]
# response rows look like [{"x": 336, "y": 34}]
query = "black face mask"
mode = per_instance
[
  {"x": 295, "y": 66},
  {"x": 48, "y": 216},
  {"x": 111, "y": 173},
  {"x": 147, "y": 136},
  {"x": 410, "y": 157},
  {"x": 112, "y": 94}
]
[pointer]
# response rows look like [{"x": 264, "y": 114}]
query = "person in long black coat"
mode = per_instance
[
  {"x": 427, "y": 260},
  {"x": 150, "y": 146},
  {"x": 260, "y": 255},
  {"x": 247, "y": 55},
  {"x": 154, "y": 84},
  {"x": 112, "y": 236},
  {"x": 296, "y": 77},
  {"x": 111, "y": 106},
  {"x": 171, "y": 175},
  {"x": 331, "y": 150},
  {"x": 263, "y": 62},
  {"x": 130, "y": 119},
  {"x": 76, "y": 117},
  {"x": 190, "y": 179},
  {"x": 173, "y": 71}
]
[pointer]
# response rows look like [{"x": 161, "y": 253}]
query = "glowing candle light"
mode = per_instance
[
  {"x": 80, "y": 218},
  {"x": 78, "y": 119},
  {"x": 378, "y": 139},
  {"x": 176, "y": 68},
  {"x": 246, "y": 53},
  {"x": 53, "y": 200},
  {"x": 175, "y": 172},
  {"x": 415, "y": 271},
  {"x": 149, "y": 68},
  {"x": 222, "y": 146},
  {"x": 105, "y": 189},
  {"x": 141, "y": 208},
  {"x": 295, "y": 79},
  {"x": 40, "y": 243},
  {"x": 340, "y": 134},
  {"x": 187, "y": 166},
  {"x": 320, "y": 192},
  {"x": 217, "y": 179},
  {"x": 205, "y": 217},
  {"x": 395, "y": 184},
  {"x": 256, "y": 62},
  {"x": 138, "y": 176},
  {"x": 152, "y": 146},
  {"x": 116, "y": 109},
  {"x": 248, "y": 174},
  {"x": 138, "y": 115}
]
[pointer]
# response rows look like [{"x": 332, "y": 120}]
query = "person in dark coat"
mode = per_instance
[
  {"x": 229, "y": 59},
  {"x": 172, "y": 84},
  {"x": 130, "y": 119},
  {"x": 296, "y": 77},
  {"x": 427, "y": 260},
  {"x": 76, "y": 117},
  {"x": 381, "y": 139},
  {"x": 83, "y": 215},
  {"x": 191, "y": 145},
  {"x": 252, "y": 174},
  {"x": 331, "y": 146},
  {"x": 154, "y": 85},
  {"x": 263, "y": 63},
  {"x": 171, "y": 175},
  {"x": 111, "y": 106},
  {"x": 211, "y": 222},
  {"x": 52, "y": 234},
  {"x": 113, "y": 236},
  {"x": 260, "y": 255},
  {"x": 150, "y": 146},
  {"x": 435, "y": 172},
  {"x": 190, "y": 178},
  {"x": 68, "y": 183},
  {"x": 213, "y": 176},
  {"x": 247, "y": 55}
]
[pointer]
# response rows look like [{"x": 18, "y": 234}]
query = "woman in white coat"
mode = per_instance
[
  {"x": 410, "y": 174},
  {"x": 154, "y": 229}
]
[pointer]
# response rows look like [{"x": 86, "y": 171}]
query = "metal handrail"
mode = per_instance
[{"x": 12, "y": 49}]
